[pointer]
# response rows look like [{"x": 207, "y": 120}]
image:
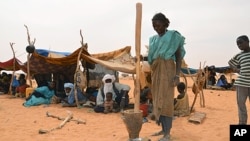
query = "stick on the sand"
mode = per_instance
[
  {"x": 70, "y": 116},
  {"x": 78, "y": 121}
]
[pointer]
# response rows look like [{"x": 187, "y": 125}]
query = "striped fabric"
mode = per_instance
[{"x": 242, "y": 61}]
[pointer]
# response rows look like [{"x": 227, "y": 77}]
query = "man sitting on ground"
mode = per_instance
[
  {"x": 70, "y": 101},
  {"x": 222, "y": 82},
  {"x": 119, "y": 91}
]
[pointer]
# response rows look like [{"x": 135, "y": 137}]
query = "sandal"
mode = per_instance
[{"x": 158, "y": 133}]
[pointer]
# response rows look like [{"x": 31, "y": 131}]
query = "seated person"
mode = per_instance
[
  {"x": 70, "y": 99},
  {"x": 120, "y": 93},
  {"x": 222, "y": 82},
  {"x": 14, "y": 85},
  {"x": 5, "y": 82},
  {"x": 211, "y": 76},
  {"x": 108, "y": 103},
  {"x": 181, "y": 103},
  {"x": 21, "y": 89},
  {"x": 91, "y": 93},
  {"x": 146, "y": 98},
  {"x": 41, "y": 95}
]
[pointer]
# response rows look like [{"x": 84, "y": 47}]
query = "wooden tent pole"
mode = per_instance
[
  {"x": 28, "y": 70},
  {"x": 138, "y": 54},
  {"x": 75, "y": 77},
  {"x": 14, "y": 67},
  {"x": 83, "y": 46},
  {"x": 31, "y": 43}
]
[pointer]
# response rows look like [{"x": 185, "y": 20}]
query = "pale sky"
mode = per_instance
[{"x": 209, "y": 26}]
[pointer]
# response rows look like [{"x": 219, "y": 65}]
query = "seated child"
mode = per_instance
[
  {"x": 21, "y": 89},
  {"x": 181, "y": 103},
  {"x": 108, "y": 103},
  {"x": 146, "y": 103}
]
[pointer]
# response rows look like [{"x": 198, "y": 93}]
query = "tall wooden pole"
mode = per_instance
[
  {"x": 14, "y": 68},
  {"x": 133, "y": 118},
  {"x": 138, "y": 54}
]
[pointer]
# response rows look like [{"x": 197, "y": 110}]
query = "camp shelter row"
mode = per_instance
[{"x": 43, "y": 63}]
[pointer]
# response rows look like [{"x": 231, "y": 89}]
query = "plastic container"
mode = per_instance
[{"x": 28, "y": 92}]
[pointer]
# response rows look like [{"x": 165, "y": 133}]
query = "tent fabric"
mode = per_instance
[
  {"x": 46, "y": 53},
  {"x": 39, "y": 63},
  {"x": 46, "y": 61},
  {"x": 119, "y": 60},
  {"x": 225, "y": 69},
  {"x": 9, "y": 65},
  {"x": 65, "y": 62},
  {"x": 189, "y": 70}
]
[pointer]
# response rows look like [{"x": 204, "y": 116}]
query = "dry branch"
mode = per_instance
[
  {"x": 78, "y": 121},
  {"x": 28, "y": 34},
  {"x": 70, "y": 116}
]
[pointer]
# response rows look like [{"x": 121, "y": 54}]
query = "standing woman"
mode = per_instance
[
  {"x": 165, "y": 54},
  {"x": 241, "y": 64}
]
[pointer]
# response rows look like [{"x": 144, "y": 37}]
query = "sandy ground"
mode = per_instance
[{"x": 19, "y": 123}]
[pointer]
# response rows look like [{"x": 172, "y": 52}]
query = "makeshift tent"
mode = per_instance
[
  {"x": 225, "y": 69},
  {"x": 44, "y": 62},
  {"x": 8, "y": 65}
]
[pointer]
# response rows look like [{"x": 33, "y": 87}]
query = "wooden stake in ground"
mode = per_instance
[{"x": 70, "y": 116}]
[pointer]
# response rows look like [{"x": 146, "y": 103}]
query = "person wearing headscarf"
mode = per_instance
[
  {"x": 41, "y": 95},
  {"x": 119, "y": 91},
  {"x": 165, "y": 54},
  {"x": 70, "y": 92}
]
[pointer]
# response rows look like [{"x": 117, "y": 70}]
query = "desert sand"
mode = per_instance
[{"x": 19, "y": 123}]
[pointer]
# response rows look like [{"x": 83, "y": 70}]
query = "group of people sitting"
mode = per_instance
[
  {"x": 111, "y": 97},
  {"x": 119, "y": 97},
  {"x": 221, "y": 82},
  {"x": 18, "y": 84}
]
